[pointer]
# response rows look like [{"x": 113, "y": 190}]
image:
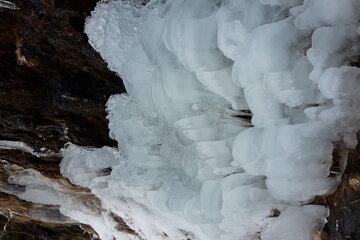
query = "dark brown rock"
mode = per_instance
[
  {"x": 344, "y": 203},
  {"x": 15, "y": 223},
  {"x": 53, "y": 85},
  {"x": 53, "y": 89}
]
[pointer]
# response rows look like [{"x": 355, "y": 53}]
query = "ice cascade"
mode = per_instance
[{"x": 233, "y": 111}]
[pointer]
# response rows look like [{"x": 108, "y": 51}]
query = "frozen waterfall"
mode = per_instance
[{"x": 233, "y": 111}]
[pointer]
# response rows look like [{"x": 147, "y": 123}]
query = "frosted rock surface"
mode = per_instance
[
  {"x": 7, "y": 4},
  {"x": 233, "y": 112}
]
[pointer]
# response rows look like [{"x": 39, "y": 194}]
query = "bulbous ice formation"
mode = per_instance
[{"x": 233, "y": 111}]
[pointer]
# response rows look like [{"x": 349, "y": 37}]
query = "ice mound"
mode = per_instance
[{"x": 233, "y": 112}]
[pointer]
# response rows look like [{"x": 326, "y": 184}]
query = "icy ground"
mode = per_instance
[{"x": 233, "y": 113}]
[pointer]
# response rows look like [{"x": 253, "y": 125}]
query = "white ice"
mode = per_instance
[{"x": 190, "y": 164}]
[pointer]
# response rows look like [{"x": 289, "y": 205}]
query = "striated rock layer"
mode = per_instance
[{"x": 53, "y": 88}]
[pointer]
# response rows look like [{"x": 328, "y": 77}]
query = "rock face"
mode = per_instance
[
  {"x": 16, "y": 225},
  {"x": 343, "y": 222},
  {"x": 53, "y": 88}
]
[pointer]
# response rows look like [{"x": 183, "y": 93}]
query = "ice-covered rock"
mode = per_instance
[
  {"x": 7, "y": 4},
  {"x": 233, "y": 111}
]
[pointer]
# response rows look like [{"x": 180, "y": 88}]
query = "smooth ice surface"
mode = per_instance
[{"x": 232, "y": 114}]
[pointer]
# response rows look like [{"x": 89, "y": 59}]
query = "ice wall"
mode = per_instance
[{"x": 233, "y": 112}]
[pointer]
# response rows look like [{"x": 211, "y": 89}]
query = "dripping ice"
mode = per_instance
[{"x": 232, "y": 114}]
